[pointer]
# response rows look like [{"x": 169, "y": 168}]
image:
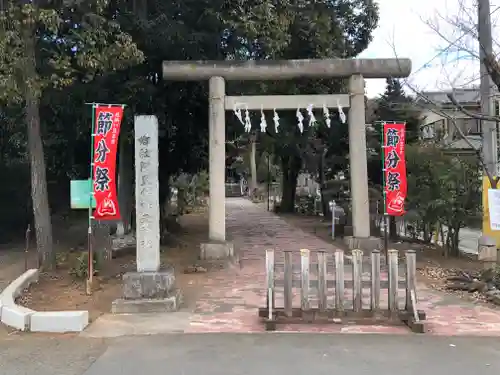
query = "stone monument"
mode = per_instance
[{"x": 150, "y": 288}]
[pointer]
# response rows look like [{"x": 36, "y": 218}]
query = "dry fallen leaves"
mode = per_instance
[{"x": 437, "y": 277}]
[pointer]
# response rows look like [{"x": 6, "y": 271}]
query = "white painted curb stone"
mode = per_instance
[
  {"x": 24, "y": 319},
  {"x": 17, "y": 317},
  {"x": 14, "y": 315},
  {"x": 59, "y": 321}
]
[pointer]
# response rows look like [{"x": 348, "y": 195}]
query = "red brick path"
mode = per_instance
[{"x": 232, "y": 296}]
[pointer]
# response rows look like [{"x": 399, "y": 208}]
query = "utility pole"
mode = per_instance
[
  {"x": 489, "y": 238},
  {"x": 490, "y": 153}
]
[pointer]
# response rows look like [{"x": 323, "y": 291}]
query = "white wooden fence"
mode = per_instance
[{"x": 331, "y": 302}]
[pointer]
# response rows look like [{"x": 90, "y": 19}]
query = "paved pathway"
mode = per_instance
[
  {"x": 255, "y": 354},
  {"x": 298, "y": 355},
  {"x": 231, "y": 297}
]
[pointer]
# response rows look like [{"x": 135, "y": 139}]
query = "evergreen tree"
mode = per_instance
[{"x": 393, "y": 106}]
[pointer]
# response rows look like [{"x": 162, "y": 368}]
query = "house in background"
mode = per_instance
[{"x": 438, "y": 128}]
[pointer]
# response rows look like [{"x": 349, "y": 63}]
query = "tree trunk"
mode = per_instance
[
  {"x": 291, "y": 168},
  {"x": 140, "y": 9},
  {"x": 253, "y": 163},
  {"x": 102, "y": 243},
  {"x": 427, "y": 231},
  {"x": 39, "y": 194},
  {"x": 449, "y": 242},
  {"x": 441, "y": 233},
  {"x": 393, "y": 229},
  {"x": 164, "y": 198},
  {"x": 288, "y": 194},
  {"x": 125, "y": 184},
  {"x": 325, "y": 207},
  {"x": 455, "y": 241}
]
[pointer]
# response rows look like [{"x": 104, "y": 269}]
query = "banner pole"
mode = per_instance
[
  {"x": 386, "y": 221},
  {"x": 90, "y": 259}
]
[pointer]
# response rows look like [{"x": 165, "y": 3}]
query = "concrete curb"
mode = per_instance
[
  {"x": 59, "y": 321},
  {"x": 24, "y": 319},
  {"x": 13, "y": 315}
]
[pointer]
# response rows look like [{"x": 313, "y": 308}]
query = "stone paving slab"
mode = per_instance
[{"x": 231, "y": 297}]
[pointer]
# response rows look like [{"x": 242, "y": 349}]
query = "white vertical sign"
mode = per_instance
[
  {"x": 494, "y": 208},
  {"x": 147, "y": 193}
]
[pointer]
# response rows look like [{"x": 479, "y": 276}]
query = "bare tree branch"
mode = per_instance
[
  {"x": 436, "y": 108},
  {"x": 478, "y": 116},
  {"x": 464, "y": 25}
]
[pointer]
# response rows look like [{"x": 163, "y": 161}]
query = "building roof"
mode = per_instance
[
  {"x": 470, "y": 95},
  {"x": 461, "y": 144}
]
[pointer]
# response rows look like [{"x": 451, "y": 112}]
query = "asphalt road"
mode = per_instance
[
  {"x": 252, "y": 354},
  {"x": 468, "y": 238}
]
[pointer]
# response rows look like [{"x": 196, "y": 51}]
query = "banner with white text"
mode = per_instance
[
  {"x": 394, "y": 169},
  {"x": 106, "y": 132}
]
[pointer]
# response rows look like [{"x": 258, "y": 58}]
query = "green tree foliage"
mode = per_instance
[
  {"x": 393, "y": 106},
  {"x": 50, "y": 45},
  {"x": 74, "y": 41},
  {"x": 444, "y": 191},
  {"x": 74, "y": 52},
  {"x": 303, "y": 29}
]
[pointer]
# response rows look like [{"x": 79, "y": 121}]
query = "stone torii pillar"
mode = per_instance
[{"x": 216, "y": 72}]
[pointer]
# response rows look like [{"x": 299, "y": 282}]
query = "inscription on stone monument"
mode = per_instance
[{"x": 147, "y": 193}]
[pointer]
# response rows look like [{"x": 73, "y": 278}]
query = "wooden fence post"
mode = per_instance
[
  {"x": 375, "y": 281},
  {"x": 324, "y": 312},
  {"x": 322, "y": 287},
  {"x": 393, "y": 281},
  {"x": 270, "y": 280},
  {"x": 411, "y": 270},
  {"x": 357, "y": 278},
  {"x": 288, "y": 281},
  {"x": 339, "y": 280},
  {"x": 304, "y": 278}
]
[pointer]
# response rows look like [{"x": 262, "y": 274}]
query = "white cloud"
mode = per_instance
[{"x": 403, "y": 31}]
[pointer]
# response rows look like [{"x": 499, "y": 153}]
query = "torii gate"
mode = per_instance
[{"x": 216, "y": 72}]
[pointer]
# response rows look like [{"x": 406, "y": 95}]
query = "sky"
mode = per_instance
[{"x": 423, "y": 30}]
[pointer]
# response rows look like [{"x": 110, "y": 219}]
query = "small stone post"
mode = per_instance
[{"x": 487, "y": 252}]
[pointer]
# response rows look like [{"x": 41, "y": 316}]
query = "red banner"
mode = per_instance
[
  {"x": 106, "y": 131},
  {"x": 395, "y": 183}
]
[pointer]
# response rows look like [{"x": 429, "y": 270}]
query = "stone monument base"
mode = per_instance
[
  {"x": 218, "y": 254},
  {"x": 366, "y": 244},
  {"x": 143, "y": 306},
  {"x": 124, "y": 243},
  {"x": 148, "y": 284},
  {"x": 147, "y": 292}
]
